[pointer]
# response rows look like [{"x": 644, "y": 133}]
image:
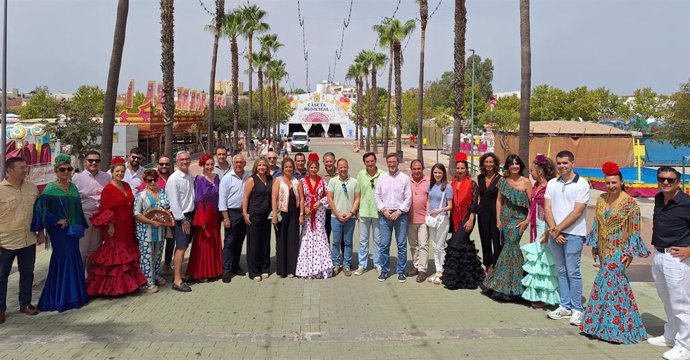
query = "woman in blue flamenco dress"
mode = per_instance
[
  {"x": 612, "y": 314},
  {"x": 58, "y": 211}
]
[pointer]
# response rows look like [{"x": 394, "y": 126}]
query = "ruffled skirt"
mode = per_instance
[
  {"x": 115, "y": 267},
  {"x": 462, "y": 268},
  {"x": 541, "y": 281}
]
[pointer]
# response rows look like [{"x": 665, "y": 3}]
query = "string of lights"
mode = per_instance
[
  {"x": 339, "y": 53},
  {"x": 212, "y": 13},
  {"x": 304, "y": 46}
]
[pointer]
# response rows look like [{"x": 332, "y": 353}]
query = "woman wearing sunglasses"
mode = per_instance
[
  {"x": 150, "y": 234},
  {"x": 58, "y": 211},
  {"x": 115, "y": 265}
]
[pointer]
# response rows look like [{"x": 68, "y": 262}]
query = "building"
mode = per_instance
[
  {"x": 225, "y": 86},
  {"x": 324, "y": 112}
]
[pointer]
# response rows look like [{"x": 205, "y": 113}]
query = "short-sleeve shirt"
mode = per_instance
[
  {"x": 564, "y": 196},
  {"x": 342, "y": 199},
  {"x": 367, "y": 200},
  {"x": 436, "y": 195},
  {"x": 420, "y": 194}
]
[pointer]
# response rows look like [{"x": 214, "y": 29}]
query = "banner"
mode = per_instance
[
  {"x": 192, "y": 100},
  {"x": 129, "y": 98},
  {"x": 198, "y": 101},
  {"x": 159, "y": 97},
  {"x": 180, "y": 98},
  {"x": 149, "y": 91},
  {"x": 187, "y": 99},
  {"x": 204, "y": 103}
]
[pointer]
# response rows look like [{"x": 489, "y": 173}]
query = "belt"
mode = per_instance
[
  {"x": 235, "y": 209},
  {"x": 663, "y": 250}
]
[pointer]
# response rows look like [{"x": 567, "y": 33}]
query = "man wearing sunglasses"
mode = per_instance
[
  {"x": 368, "y": 214},
  {"x": 273, "y": 169},
  {"x": 133, "y": 170},
  {"x": 165, "y": 169},
  {"x": 90, "y": 183},
  {"x": 343, "y": 198},
  {"x": 671, "y": 264}
]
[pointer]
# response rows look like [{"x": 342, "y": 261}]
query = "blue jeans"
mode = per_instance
[
  {"x": 365, "y": 223},
  {"x": 26, "y": 258},
  {"x": 567, "y": 259},
  {"x": 387, "y": 227},
  {"x": 342, "y": 232}
]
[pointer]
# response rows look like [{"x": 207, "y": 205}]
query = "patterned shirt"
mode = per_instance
[{"x": 144, "y": 202}]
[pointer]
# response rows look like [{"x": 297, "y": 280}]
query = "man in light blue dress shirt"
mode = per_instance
[{"x": 230, "y": 197}]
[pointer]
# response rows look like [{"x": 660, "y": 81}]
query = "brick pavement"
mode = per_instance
[{"x": 344, "y": 317}]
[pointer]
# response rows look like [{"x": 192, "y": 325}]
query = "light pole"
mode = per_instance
[
  {"x": 472, "y": 118},
  {"x": 3, "y": 125}
]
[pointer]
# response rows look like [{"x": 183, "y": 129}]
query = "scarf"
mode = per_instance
[
  {"x": 313, "y": 189},
  {"x": 537, "y": 199},
  {"x": 462, "y": 198}
]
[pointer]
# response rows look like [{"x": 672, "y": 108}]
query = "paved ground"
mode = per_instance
[{"x": 340, "y": 318}]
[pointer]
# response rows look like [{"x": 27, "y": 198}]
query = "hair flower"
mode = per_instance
[
  {"x": 540, "y": 159},
  {"x": 610, "y": 168},
  {"x": 460, "y": 157}
]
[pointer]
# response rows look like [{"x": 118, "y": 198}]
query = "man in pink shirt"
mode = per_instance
[
  {"x": 417, "y": 234},
  {"x": 90, "y": 183}
]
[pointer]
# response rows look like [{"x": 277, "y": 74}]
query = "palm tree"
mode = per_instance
[
  {"x": 385, "y": 40},
  {"x": 261, "y": 59},
  {"x": 113, "y": 81},
  {"x": 526, "y": 78},
  {"x": 252, "y": 23},
  {"x": 356, "y": 71},
  {"x": 460, "y": 25},
  {"x": 232, "y": 23},
  {"x": 276, "y": 72},
  {"x": 391, "y": 33},
  {"x": 424, "y": 17},
  {"x": 270, "y": 45},
  {"x": 168, "y": 69},
  {"x": 220, "y": 13},
  {"x": 364, "y": 58},
  {"x": 378, "y": 60}
]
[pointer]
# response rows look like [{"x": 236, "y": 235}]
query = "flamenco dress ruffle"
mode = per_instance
[{"x": 541, "y": 281}]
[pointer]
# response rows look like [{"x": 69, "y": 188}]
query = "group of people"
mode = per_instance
[{"x": 104, "y": 244}]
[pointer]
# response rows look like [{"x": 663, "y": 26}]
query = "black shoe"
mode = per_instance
[
  {"x": 383, "y": 276},
  {"x": 227, "y": 277},
  {"x": 402, "y": 278},
  {"x": 240, "y": 272},
  {"x": 183, "y": 287}
]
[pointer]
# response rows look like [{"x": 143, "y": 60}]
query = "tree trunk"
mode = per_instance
[
  {"x": 220, "y": 12},
  {"x": 113, "y": 81},
  {"x": 374, "y": 99},
  {"x": 276, "y": 106},
  {"x": 368, "y": 122},
  {"x": 397, "y": 57},
  {"x": 260, "y": 75},
  {"x": 526, "y": 79},
  {"x": 424, "y": 14},
  {"x": 388, "y": 105},
  {"x": 458, "y": 78},
  {"x": 360, "y": 117},
  {"x": 234, "y": 53},
  {"x": 269, "y": 111},
  {"x": 168, "y": 69},
  {"x": 251, "y": 71}
]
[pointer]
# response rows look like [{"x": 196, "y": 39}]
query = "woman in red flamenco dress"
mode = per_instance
[
  {"x": 115, "y": 264},
  {"x": 206, "y": 257}
]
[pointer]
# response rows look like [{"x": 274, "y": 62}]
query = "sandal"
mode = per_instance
[
  {"x": 437, "y": 279},
  {"x": 161, "y": 281},
  {"x": 183, "y": 287}
]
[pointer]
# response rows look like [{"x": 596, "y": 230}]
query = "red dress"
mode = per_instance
[
  {"x": 115, "y": 264},
  {"x": 206, "y": 257}
]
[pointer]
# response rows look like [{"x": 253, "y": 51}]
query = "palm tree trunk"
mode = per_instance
[
  {"x": 398, "y": 98},
  {"x": 360, "y": 119},
  {"x": 459, "y": 77},
  {"x": 368, "y": 138},
  {"x": 388, "y": 106},
  {"x": 260, "y": 75},
  {"x": 168, "y": 68},
  {"x": 220, "y": 11},
  {"x": 251, "y": 71},
  {"x": 113, "y": 81},
  {"x": 234, "y": 54},
  {"x": 276, "y": 106},
  {"x": 374, "y": 99},
  {"x": 424, "y": 13},
  {"x": 526, "y": 79}
]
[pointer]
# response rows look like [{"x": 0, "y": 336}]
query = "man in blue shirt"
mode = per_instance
[{"x": 230, "y": 197}]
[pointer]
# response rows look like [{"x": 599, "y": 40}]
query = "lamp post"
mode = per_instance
[
  {"x": 3, "y": 125},
  {"x": 472, "y": 118}
]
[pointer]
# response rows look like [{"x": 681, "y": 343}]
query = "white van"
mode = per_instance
[{"x": 300, "y": 142}]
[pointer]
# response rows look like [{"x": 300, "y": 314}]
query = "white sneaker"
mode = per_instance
[
  {"x": 678, "y": 352},
  {"x": 661, "y": 341},
  {"x": 359, "y": 271},
  {"x": 576, "y": 318},
  {"x": 560, "y": 313}
]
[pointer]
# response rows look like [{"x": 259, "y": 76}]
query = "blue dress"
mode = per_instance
[
  {"x": 65, "y": 285},
  {"x": 612, "y": 314}
]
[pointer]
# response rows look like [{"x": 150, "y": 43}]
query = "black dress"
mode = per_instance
[
  {"x": 259, "y": 232},
  {"x": 287, "y": 243},
  {"x": 489, "y": 235}
]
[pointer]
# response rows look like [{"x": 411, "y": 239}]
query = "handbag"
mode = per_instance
[
  {"x": 435, "y": 221},
  {"x": 75, "y": 230}
]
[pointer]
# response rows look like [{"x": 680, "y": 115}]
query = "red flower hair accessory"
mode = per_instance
[
  {"x": 460, "y": 157},
  {"x": 540, "y": 159},
  {"x": 203, "y": 159},
  {"x": 117, "y": 160},
  {"x": 610, "y": 168},
  {"x": 313, "y": 157}
]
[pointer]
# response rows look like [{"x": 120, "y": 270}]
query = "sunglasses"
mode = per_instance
[
  {"x": 94, "y": 161},
  {"x": 137, "y": 158},
  {"x": 665, "y": 179},
  {"x": 63, "y": 169},
  {"x": 149, "y": 180},
  {"x": 344, "y": 188},
  {"x": 163, "y": 164},
  {"x": 272, "y": 158},
  {"x": 372, "y": 183}
]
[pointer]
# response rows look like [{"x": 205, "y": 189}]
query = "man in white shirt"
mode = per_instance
[
  {"x": 134, "y": 171},
  {"x": 180, "y": 190},
  {"x": 565, "y": 202},
  {"x": 230, "y": 197}
]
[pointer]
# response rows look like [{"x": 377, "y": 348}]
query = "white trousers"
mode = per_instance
[
  {"x": 672, "y": 279},
  {"x": 439, "y": 236}
]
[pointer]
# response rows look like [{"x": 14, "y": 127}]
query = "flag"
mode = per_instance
[
  {"x": 149, "y": 91},
  {"x": 180, "y": 99},
  {"x": 160, "y": 99},
  {"x": 192, "y": 100},
  {"x": 129, "y": 98}
]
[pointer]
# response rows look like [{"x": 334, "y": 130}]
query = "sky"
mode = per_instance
[{"x": 621, "y": 45}]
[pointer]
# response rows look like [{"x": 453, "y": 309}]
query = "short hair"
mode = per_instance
[
  {"x": 239, "y": 156},
  {"x": 342, "y": 159},
  {"x": 220, "y": 147},
  {"x": 163, "y": 156},
  {"x": 181, "y": 153},
  {"x": 482, "y": 169},
  {"x": 566, "y": 153},
  {"x": 150, "y": 173},
  {"x": 136, "y": 150},
  {"x": 367, "y": 154},
  {"x": 300, "y": 154},
  {"x": 664, "y": 169},
  {"x": 390, "y": 155},
  {"x": 275, "y": 153},
  {"x": 92, "y": 152},
  {"x": 328, "y": 153},
  {"x": 416, "y": 161},
  {"x": 11, "y": 162},
  {"x": 514, "y": 158}
]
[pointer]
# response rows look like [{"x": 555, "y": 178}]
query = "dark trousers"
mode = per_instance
[
  {"x": 26, "y": 258},
  {"x": 258, "y": 245},
  {"x": 234, "y": 239}
]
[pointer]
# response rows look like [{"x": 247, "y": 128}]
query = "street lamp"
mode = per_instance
[
  {"x": 3, "y": 125},
  {"x": 472, "y": 118}
]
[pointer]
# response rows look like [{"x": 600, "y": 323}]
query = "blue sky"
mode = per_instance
[{"x": 622, "y": 45}]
